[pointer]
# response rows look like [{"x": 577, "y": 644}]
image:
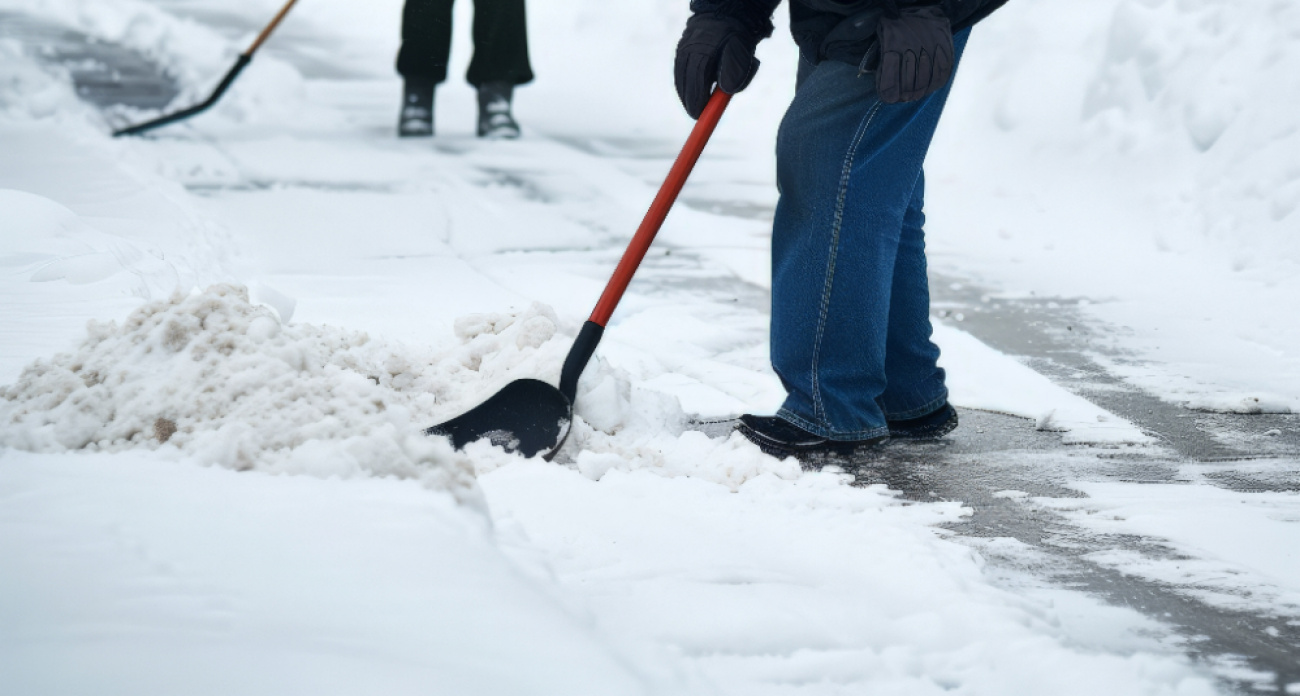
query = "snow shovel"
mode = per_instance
[
  {"x": 244, "y": 59},
  {"x": 532, "y": 417}
]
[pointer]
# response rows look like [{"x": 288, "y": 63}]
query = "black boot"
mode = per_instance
[
  {"x": 494, "y": 119},
  {"x": 416, "y": 120},
  {"x": 781, "y": 438},
  {"x": 931, "y": 426}
]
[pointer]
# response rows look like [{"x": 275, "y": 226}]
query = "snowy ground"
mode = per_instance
[{"x": 218, "y": 486}]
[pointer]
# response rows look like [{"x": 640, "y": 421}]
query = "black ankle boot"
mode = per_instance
[
  {"x": 416, "y": 119},
  {"x": 494, "y": 119},
  {"x": 931, "y": 426},
  {"x": 781, "y": 438}
]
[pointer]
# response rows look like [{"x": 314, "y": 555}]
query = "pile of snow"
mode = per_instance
[{"x": 213, "y": 376}]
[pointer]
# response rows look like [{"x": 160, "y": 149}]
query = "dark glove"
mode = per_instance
[
  {"x": 713, "y": 49},
  {"x": 916, "y": 54}
]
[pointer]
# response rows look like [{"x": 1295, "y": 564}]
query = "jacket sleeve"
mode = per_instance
[{"x": 754, "y": 15}]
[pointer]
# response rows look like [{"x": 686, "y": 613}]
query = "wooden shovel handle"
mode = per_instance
[{"x": 266, "y": 33}]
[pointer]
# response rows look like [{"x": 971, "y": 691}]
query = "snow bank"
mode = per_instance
[
  {"x": 213, "y": 376},
  {"x": 1212, "y": 85},
  {"x": 1188, "y": 109}
]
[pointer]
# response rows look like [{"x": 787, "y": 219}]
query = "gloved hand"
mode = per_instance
[
  {"x": 713, "y": 49},
  {"x": 916, "y": 54}
]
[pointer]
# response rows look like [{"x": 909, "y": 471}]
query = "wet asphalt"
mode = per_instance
[
  {"x": 993, "y": 452},
  {"x": 990, "y": 452},
  {"x": 1053, "y": 336}
]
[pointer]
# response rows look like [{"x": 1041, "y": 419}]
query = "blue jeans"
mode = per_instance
[{"x": 850, "y": 299}]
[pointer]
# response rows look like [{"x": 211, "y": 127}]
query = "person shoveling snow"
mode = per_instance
[{"x": 850, "y": 301}]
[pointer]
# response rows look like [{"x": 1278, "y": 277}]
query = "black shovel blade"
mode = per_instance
[{"x": 528, "y": 416}]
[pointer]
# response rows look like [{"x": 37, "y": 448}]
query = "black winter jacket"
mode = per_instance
[{"x": 838, "y": 29}]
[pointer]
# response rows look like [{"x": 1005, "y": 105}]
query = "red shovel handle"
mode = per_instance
[
  {"x": 654, "y": 218},
  {"x": 584, "y": 346}
]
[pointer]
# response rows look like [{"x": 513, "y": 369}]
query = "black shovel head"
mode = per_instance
[{"x": 528, "y": 416}]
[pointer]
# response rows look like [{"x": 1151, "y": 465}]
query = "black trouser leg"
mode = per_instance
[
  {"x": 500, "y": 43},
  {"x": 426, "y": 40}
]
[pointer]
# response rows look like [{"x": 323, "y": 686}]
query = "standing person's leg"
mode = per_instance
[
  {"x": 426, "y": 40},
  {"x": 500, "y": 44},
  {"x": 915, "y": 401},
  {"x": 422, "y": 61},
  {"x": 500, "y": 63},
  {"x": 847, "y": 170}
]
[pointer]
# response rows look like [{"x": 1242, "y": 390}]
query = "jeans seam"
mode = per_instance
[{"x": 819, "y": 409}]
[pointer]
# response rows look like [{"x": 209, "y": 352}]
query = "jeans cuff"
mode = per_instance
[
  {"x": 923, "y": 410},
  {"x": 838, "y": 436}
]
